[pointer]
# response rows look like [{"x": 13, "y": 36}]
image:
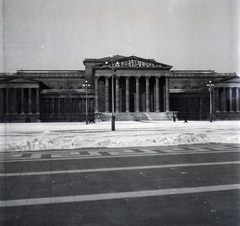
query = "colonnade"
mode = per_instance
[
  {"x": 226, "y": 99},
  {"x": 155, "y": 92},
  {"x": 66, "y": 105},
  {"x": 19, "y": 100}
]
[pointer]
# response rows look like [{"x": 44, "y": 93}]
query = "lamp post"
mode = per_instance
[
  {"x": 210, "y": 86},
  {"x": 86, "y": 85},
  {"x": 113, "y": 116},
  {"x": 112, "y": 75}
]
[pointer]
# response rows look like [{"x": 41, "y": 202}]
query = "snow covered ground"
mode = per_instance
[{"x": 41, "y": 136}]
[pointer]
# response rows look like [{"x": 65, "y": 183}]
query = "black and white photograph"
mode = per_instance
[{"x": 119, "y": 113}]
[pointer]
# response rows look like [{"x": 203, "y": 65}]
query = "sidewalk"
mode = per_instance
[{"x": 16, "y": 137}]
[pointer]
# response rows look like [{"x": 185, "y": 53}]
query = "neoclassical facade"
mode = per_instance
[
  {"x": 131, "y": 88},
  {"x": 35, "y": 96},
  {"x": 146, "y": 89}
]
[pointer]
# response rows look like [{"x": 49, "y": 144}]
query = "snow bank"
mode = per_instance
[{"x": 42, "y": 136}]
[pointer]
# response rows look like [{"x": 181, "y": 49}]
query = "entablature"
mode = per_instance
[
  {"x": 132, "y": 73},
  {"x": 18, "y": 86},
  {"x": 51, "y": 73},
  {"x": 68, "y": 91}
]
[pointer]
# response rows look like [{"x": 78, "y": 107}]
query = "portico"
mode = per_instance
[
  {"x": 133, "y": 93},
  {"x": 19, "y": 100},
  {"x": 227, "y": 99},
  {"x": 140, "y": 85}
]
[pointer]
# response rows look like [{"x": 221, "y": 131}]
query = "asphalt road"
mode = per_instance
[{"x": 175, "y": 185}]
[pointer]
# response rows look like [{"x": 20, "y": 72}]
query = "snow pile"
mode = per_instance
[{"x": 42, "y": 136}]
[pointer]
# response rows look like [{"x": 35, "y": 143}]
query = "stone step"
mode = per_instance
[
  {"x": 134, "y": 116},
  {"x": 158, "y": 116}
]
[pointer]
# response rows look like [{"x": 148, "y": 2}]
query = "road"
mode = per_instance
[{"x": 174, "y": 185}]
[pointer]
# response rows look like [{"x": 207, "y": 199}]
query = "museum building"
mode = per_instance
[{"x": 130, "y": 88}]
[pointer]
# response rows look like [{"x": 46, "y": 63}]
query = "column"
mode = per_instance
[
  {"x": 230, "y": 98},
  {"x": 127, "y": 94},
  {"x": 22, "y": 101},
  {"x": 76, "y": 106},
  {"x": 80, "y": 105},
  {"x": 106, "y": 94},
  {"x": 96, "y": 94},
  {"x": 52, "y": 105},
  {"x": 237, "y": 99},
  {"x": 73, "y": 105},
  {"x": 137, "y": 94},
  {"x": 14, "y": 101},
  {"x": 164, "y": 97},
  {"x": 167, "y": 94},
  {"x": 157, "y": 93},
  {"x": 117, "y": 94},
  {"x": 216, "y": 95},
  {"x": 147, "y": 94},
  {"x": 70, "y": 105},
  {"x": 59, "y": 105},
  {"x": 224, "y": 99},
  {"x": 37, "y": 100},
  {"x": 30, "y": 101},
  {"x": 47, "y": 106},
  {"x": 65, "y": 105},
  {"x": 7, "y": 101},
  {"x": 213, "y": 100},
  {"x": 1, "y": 103}
]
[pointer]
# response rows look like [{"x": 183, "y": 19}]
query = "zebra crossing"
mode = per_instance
[{"x": 115, "y": 152}]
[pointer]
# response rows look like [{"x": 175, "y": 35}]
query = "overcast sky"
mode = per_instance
[{"x": 60, "y": 34}]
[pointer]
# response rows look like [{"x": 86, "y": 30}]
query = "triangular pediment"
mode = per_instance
[
  {"x": 229, "y": 81},
  {"x": 137, "y": 62},
  {"x": 18, "y": 80},
  {"x": 233, "y": 80},
  {"x": 133, "y": 62}
]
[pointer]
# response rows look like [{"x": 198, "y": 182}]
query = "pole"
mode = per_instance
[
  {"x": 113, "y": 117},
  {"x": 86, "y": 105},
  {"x": 210, "y": 86},
  {"x": 112, "y": 75},
  {"x": 86, "y": 84},
  {"x": 210, "y": 90}
]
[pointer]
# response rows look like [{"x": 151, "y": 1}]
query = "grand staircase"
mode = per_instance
[
  {"x": 159, "y": 116},
  {"x": 135, "y": 116}
]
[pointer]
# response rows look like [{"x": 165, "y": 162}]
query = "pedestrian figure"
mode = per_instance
[
  {"x": 185, "y": 118},
  {"x": 174, "y": 117}
]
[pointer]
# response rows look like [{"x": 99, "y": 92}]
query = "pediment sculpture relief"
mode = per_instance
[{"x": 136, "y": 63}]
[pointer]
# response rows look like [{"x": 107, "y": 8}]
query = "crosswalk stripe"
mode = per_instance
[
  {"x": 56, "y": 156},
  {"x": 35, "y": 156},
  {"x": 129, "y": 151},
  {"x": 16, "y": 155},
  {"x": 114, "y": 153},
  {"x": 120, "y": 168},
  {"x": 148, "y": 151},
  {"x": 119, "y": 195},
  {"x": 94, "y": 153}
]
